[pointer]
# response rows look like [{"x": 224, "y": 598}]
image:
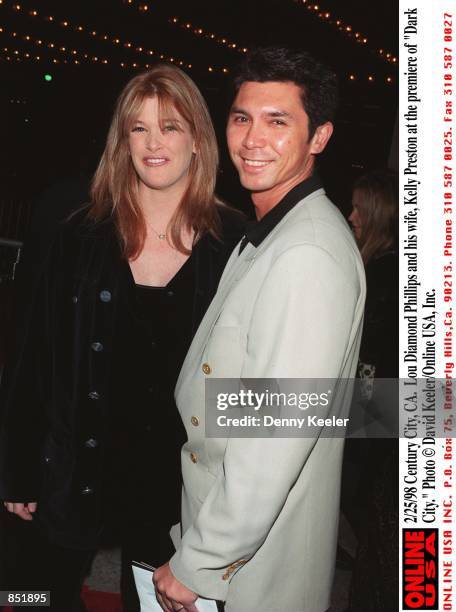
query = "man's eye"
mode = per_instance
[
  {"x": 279, "y": 122},
  {"x": 240, "y": 119}
]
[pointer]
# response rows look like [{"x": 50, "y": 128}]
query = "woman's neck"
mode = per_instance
[{"x": 158, "y": 206}]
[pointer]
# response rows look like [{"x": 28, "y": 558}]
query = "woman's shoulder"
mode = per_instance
[
  {"x": 385, "y": 265},
  {"x": 79, "y": 238},
  {"x": 80, "y": 225},
  {"x": 233, "y": 221},
  {"x": 382, "y": 275}
]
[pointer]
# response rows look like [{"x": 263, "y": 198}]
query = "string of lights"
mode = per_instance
[
  {"x": 223, "y": 40},
  {"x": 113, "y": 40},
  {"x": 200, "y": 32},
  {"x": 75, "y": 55},
  {"x": 78, "y": 56},
  {"x": 12, "y": 54},
  {"x": 347, "y": 29},
  {"x": 143, "y": 8}
]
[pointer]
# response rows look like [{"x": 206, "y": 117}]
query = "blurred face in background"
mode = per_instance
[{"x": 355, "y": 217}]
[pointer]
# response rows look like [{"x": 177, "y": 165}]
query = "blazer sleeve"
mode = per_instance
[
  {"x": 301, "y": 325},
  {"x": 25, "y": 382}
]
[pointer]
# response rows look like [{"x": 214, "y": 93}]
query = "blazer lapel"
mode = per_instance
[{"x": 235, "y": 268}]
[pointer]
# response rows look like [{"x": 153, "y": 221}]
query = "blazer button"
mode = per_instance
[
  {"x": 195, "y": 421},
  {"x": 97, "y": 347},
  {"x": 194, "y": 458},
  {"x": 206, "y": 368},
  {"x": 74, "y": 299},
  {"x": 94, "y": 395},
  {"x": 105, "y": 295},
  {"x": 87, "y": 491},
  {"x": 91, "y": 443}
]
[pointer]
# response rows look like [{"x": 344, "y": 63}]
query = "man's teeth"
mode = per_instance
[{"x": 255, "y": 162}]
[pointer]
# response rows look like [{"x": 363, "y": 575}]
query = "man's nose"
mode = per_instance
[{"x": 254, "y": 137}]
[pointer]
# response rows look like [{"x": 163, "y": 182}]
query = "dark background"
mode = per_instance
[{"x": 53, "y": 131}]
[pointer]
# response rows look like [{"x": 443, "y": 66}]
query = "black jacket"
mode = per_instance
[{"x": 53, "y": 410}]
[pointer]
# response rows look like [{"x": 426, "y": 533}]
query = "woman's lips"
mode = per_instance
[{"x": 153, "y": 162}]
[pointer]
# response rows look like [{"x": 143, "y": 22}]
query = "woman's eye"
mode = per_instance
[
  {"x": 137, "y": 128},
  {"x": 170, "y": 128}
]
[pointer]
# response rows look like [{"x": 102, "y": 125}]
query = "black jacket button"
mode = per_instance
[
  {"x": 97, "y": 347},
  {"x": 86, "y": 491},
  {"x": 91, "y": 443},
  {"x": 94, "y": 395}
]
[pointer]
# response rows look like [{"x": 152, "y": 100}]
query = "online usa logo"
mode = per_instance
[{"x": 420, "y": 552}]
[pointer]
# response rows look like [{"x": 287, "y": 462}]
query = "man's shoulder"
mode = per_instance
[
  {"x": 316, "y": 221},
  {"x": 315, "y": 230}
]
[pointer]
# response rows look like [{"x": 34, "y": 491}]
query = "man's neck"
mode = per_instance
[{"x": 264, "y": 201}]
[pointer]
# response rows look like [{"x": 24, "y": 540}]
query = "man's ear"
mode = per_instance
[{"x": 321, "y": 137}]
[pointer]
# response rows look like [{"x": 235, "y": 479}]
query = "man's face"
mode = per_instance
[{"x": 268, "y": 137}]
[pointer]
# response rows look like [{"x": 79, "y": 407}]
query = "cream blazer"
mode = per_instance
[{"x": 260, "y": 516}]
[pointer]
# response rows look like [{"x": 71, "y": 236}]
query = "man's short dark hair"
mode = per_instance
[{"x": 317, "y": 82}]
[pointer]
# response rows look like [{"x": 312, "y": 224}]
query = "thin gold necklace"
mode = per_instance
[{"x": 160, "y": 236}]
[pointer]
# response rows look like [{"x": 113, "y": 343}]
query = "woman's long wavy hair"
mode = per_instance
[
  {"x": 115, "y": 183},
  {"x": 378, "y": 206}
]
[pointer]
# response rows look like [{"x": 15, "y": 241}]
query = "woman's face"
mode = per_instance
[
  {"x": 355, "y": 217},
  {"x": 161, "y": 149}
]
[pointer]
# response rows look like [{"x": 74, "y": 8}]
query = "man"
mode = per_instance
[{"x": 259, "y": 516}]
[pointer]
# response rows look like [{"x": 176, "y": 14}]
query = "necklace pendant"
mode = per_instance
[{"x": 161, "y": 236}]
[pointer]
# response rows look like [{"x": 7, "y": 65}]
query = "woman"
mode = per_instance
[
  {"x": 90, "y": 433},
  {"x": 375, "y": 224},
  {"x": 375, "y": 508}
]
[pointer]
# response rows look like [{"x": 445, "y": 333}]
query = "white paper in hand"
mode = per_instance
[{"x": 146, "y": 591}]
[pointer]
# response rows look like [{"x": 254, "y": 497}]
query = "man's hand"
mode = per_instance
[
  {"x": 172, "y": 595},
  {"x": 25, "y": 511}
]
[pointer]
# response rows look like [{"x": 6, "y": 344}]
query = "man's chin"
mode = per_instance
[{"x": 255, "y": 184}]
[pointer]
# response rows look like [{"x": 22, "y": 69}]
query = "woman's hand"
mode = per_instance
[{"x": 25, "y": 511}]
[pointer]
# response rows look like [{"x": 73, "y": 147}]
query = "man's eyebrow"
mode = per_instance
[
  {"x": 238, "y": 110},
  {"x": 278, "y": 113}
]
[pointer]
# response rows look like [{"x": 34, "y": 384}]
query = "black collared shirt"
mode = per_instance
[{"x": 260, "y": 229}]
